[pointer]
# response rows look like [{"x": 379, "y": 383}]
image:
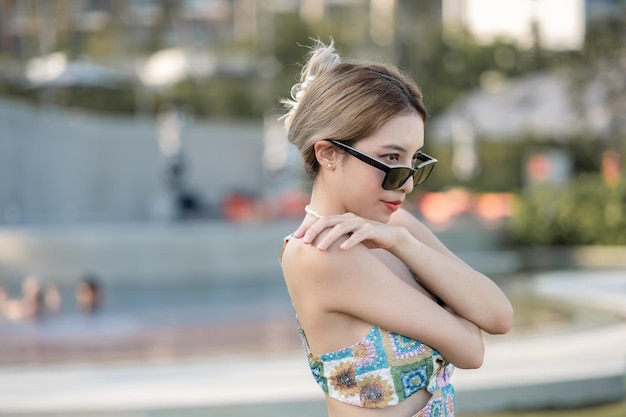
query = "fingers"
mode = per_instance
[
  {"x": 355, "y": 230},
  {"x": 304, "y": 227},
  {"x": 339, "y": 229},
  {"x": 361, "y": 233},
  {"x": 312, "y": 226}
]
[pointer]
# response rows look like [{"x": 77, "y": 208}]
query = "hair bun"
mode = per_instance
[{"x": 321, "y": 58}]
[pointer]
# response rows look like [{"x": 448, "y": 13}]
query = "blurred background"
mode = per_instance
[{"x": 146, "y": 185}]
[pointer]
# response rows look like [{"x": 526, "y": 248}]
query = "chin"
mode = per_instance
[
  {"x": 374, "y": 212},
  {"x": 381, "y": 217}
]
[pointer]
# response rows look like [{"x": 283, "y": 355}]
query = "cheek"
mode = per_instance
[
  {"x": 363, "y": 189},
  {"x": 363, "y": 180},
  {"x": 372, "y": 179}
]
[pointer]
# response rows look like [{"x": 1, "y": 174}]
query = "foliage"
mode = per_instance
[
  {"x": 588, "y": 211},
  {"x": 502, "y": 161},
  {"x": 500, "y": 170},
  {"x": 221, "y": 97}
]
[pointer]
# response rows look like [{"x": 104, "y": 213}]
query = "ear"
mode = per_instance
[{"x": 325, "y": 153}]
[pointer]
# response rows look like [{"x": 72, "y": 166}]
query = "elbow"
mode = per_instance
[
  {"x": 476, "y": 363},
  {"x": 502, "y": 320},
  {"x": 477, "y": 358},
  {"x": 473, "y": 361},
  {"x": 472, "y": 356},
  {"x": 498, "y": 319}
]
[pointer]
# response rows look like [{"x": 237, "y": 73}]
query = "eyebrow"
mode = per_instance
[{"x": 399, "y": 148}]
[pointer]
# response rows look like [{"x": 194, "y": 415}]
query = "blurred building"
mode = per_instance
[
  {"x": 538, "y": 104},
  {"x": 524, "y": 22}
]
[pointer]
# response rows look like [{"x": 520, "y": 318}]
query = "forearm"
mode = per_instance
[{"x": 469, "y": 293}]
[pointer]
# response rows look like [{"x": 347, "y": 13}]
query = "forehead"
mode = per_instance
[{"x": 404, "y": 132}]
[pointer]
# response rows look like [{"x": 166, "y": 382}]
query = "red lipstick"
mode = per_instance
[{"x": 392, "y": 205}]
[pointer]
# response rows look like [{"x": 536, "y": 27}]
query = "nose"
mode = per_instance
[{"x": 408, "y": 186}]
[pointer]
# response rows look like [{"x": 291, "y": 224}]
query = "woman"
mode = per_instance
[{"x": 385, "y": 309}]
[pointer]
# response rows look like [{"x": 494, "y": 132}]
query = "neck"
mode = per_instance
[{"x": 323, "y": 205}]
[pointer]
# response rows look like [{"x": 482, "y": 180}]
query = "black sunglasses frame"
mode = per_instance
[{"x": 427, "y": 161}]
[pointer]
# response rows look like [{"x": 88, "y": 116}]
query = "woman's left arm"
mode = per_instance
[{"x": 466, "y": 291}]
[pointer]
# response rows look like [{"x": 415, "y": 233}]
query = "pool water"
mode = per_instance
[{"x": 135, "y": 322}]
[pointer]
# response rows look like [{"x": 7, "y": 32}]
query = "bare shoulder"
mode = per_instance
[
  {"x": 339, "y": 277},
  {"x": 310, "y": 272},
  {"x": 307, "y": 264}
]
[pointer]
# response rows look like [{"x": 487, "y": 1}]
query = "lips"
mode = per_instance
[{"x": 392, "y": 205}]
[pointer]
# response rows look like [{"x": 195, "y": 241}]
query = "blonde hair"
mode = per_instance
[{"x": 345, "y": 101}]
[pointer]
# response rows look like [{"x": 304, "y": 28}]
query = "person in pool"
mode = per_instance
[{"x": 384, "y": 309}]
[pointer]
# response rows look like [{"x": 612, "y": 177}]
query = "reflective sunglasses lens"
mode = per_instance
[
  {"x": 422, "y": 174},
  {"x": 396, "y": 177}
]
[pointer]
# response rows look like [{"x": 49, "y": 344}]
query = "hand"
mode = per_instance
[{"x": 359, "y": 230}]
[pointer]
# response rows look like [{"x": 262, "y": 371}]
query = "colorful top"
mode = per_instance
[{"x": 382, "y": 369}]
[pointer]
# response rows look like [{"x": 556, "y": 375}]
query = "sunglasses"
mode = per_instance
[{"x": 395, "y": 177}]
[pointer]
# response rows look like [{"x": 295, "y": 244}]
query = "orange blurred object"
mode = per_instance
[
  {"x": 436, "y": 207},
  {"x": 238, "y": 208},
  {"x": 442, "y": 207},
  {"x": 494, "y": 206},
  {"x": 611, "y": 167}
]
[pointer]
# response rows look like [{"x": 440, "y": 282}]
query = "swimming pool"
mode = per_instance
[{"x": 155, "y": 321}]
